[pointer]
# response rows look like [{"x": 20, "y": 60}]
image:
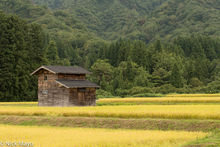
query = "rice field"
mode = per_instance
[
  {"x": 169, "y": 99},
  {"x": 68, "y": 137},
  {"x": 166, "y": 100},
  {"x": 20, "y": 104},
  {"x": 193, "y": 95},
  {"x": 126, "y": 111},
  {"x": 200, "y": 110}
]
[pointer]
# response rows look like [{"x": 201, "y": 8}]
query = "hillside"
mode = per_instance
[
  {"x": 133, "y": 47},
  {"x": 113, "y": 19},
  {"x": 56, "y": 24}
]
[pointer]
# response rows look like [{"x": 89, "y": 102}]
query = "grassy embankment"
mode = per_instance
[{"x": 114, "y": 123}]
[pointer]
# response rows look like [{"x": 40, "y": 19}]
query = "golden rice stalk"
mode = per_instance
[
  {"x": 133, "y": 111},
  {"x": 193, "y": 95},
  {"x": 162, "y": 99},
  {"x": 85, "y": 137}
]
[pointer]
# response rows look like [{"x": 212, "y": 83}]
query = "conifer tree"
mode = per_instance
[
  {"x": 52, "y": 53},
  {"x": 20, "y": 54},
  {"x": 176, "y": 78},
  {"x": 158, "y": 47}
]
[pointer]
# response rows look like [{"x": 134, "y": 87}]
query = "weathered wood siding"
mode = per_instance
[
  {"x": 60, "y": 96},
  {"x": 44, "y": 88},
  {"x": 90, "y": 96},
  {"x": 72, "y": 77},
  {"x": 82, "y": 98},
  {"x": 73, "y": 99},
  {"x": 50, "y": 93}
]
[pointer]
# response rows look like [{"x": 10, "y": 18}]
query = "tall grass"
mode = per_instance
[
  {"x": 162, "y": 100},
  {"x": 69, "y": 137},
  {"x": 136, "y": 101},
  {"x": 18, "y": 103},
  {"x": 134, "y": 111},
  {"x": 193, "y": 95}
]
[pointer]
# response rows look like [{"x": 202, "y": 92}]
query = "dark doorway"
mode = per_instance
[{"x": 81, "y": 96}]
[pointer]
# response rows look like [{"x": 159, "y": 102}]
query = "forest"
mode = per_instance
[{"x": 133, "y": 48}]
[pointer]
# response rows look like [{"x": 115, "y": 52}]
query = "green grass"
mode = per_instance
[
  {"x": 114, "y": 123},
  {"x": 212, "y": 140}
]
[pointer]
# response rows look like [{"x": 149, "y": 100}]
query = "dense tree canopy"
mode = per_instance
[
  {"x": 132, "y": 47},
  {"x": 21, "y": 51},
  {"x": 174, "y": 66}
]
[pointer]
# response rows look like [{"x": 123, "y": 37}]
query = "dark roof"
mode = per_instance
[
  {"x": 77, "y": 83},
  {"x": 63, "y": 69}
]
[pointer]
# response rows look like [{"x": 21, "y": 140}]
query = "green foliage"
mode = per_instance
[
  {"x": 139, "y": 90},
  {"x": 114, "y": 19},
  {"x": 21, "y": 51},
  {"x": 118, "y": 40},
  {"x": 160, "y": 77},
  {"x": 52, "y": 55},
  {"x": 176, "y": 78},
  {"x": 195, "y": 82},
  {"x": 148, "y": 95},
  {"x": 102, "y": 71},
  {"x": 103, "y": 94},
  {"x": 166, "y": 88}
]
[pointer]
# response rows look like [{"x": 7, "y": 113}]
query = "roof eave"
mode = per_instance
[
  {"x": 75, "y": 73},
  {"x": 62, "y": 84},
  {"x": 42, "y": 67},
  {"x": 85, "y": 87},
  {"x": 77, "y": 86}
]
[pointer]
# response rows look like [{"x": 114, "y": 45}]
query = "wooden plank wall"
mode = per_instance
[
  {"x": 50, "y": 93},
  {"x": 87, "y": 98},
  {"x": 44, "y": 87},
  {"x": 72, "y": 77}
]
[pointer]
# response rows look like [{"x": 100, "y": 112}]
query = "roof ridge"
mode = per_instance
[
  {"x": 58, "y": 69},
  {"x": 72, "y": 80},
  {"x": 62, "y": 66}
]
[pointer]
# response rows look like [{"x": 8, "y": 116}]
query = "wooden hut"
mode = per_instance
[{"x": 64, "y": 86}]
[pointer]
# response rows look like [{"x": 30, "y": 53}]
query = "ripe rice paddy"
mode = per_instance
[
  {"x": 169, "y": 99},
  {"x": 67, "y": 137},
  {"x": 133, "y": 111},
  {"x": 162, "y": 100},
  {"x": 171, "y": 113},
  {"x": 193, "y": 95},
  {"x": 189, "y": 99}
]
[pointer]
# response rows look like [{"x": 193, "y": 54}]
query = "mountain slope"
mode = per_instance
[
  {"x": 113, "y": 19},
  {"x": 58, "y": 24},
  {"x": 143, "y": 19}
]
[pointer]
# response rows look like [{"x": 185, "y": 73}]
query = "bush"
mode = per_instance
[
  {"x": 139, "y": 90},
  {"x": 103, "y": 94},
  {"x": 166, "y": 88},
  {"x": 195, "y": 82},
  {"x": 148, "y": 95},
  {"x": 122, "y": 92},
  {"x": 182, "y": 90}
]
